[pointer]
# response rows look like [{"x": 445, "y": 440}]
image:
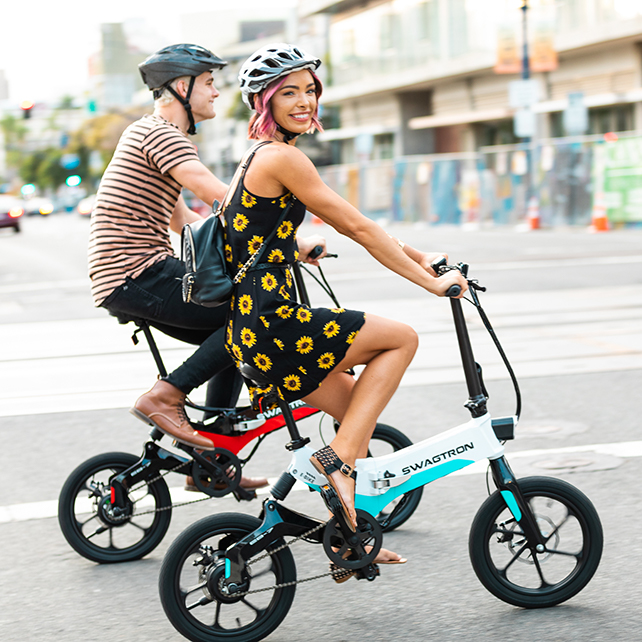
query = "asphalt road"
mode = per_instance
[{"x": 567, "y": 306}]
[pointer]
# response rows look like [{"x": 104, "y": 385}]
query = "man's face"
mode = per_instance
[{"x": 202, "y": 99}]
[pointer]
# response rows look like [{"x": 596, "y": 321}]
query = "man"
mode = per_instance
[{"x": 131, "y": 262}]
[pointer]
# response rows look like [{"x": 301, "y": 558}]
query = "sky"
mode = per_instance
[{"x": 44, "y": 45}]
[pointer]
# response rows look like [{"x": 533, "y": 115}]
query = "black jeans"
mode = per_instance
[{"x": 156, "y": 296}]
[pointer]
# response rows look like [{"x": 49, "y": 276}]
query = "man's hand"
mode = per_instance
[{"x": 307, "y": 244}]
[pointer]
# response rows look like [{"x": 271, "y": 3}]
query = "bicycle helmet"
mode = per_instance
[
  {"x": 159, "y": 69},
  {"x": 269, "y": 63}
]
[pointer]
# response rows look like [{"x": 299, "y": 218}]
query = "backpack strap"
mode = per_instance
[{"x": 239, "y": 174}]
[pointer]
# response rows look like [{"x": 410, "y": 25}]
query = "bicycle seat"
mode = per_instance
[
  {"x": 254, "y": 375},
  {"x": 124, "y": 319}
]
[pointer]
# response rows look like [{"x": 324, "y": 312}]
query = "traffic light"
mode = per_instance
[{"x": 26, "y": 106}]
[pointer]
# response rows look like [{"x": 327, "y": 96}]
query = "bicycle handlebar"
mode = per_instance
[
  {"x": 440, "y": 266},
  {"x": 317, "y": 250}
]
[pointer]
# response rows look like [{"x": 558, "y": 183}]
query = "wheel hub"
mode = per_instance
[
  {"x": 111, "y": 515},
  {"x": 215, "y": 576}
]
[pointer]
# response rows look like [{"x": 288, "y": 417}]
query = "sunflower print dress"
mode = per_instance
[{"x": 295, "y": 346}]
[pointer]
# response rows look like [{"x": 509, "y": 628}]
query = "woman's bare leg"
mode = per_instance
[{"x": 386, "y": 348}]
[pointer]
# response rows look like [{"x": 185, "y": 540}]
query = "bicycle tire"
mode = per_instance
[
  {"x": 408, "y": 502},
  {"x": 193, "y": 563},
  {"x": 531, "y": 579},
  {"x": 86, "y": 491}
]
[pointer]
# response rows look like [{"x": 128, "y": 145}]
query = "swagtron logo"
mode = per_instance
[{"x": 437, "y": 459}]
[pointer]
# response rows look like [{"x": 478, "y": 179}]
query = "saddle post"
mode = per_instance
[{"x": 144, "y": 326}]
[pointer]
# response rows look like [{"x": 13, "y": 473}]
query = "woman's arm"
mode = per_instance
[{"x": 292, "y": 169}]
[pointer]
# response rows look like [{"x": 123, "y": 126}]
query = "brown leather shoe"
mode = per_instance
[
  {"x": 248, "y": 483},
  {"x": 164, "y": 407}
]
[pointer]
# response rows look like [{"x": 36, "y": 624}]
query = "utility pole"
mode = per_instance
[{"x": 531, "y": 197}]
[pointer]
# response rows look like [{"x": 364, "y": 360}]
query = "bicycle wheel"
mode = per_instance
[
  {"x": 87, "y": 521},
  {"x": 516, "y": 574},
  {"x": 190, "y": 576},
  {"x": 385, "y": 440}
]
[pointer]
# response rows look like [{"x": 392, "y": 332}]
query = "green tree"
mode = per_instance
[{"x": 14, "y": 135}]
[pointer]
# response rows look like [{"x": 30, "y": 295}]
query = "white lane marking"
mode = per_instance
[{"x": 45, "y": 509}]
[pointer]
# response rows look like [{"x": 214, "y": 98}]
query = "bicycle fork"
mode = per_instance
[{"x": 520, "y": 509}]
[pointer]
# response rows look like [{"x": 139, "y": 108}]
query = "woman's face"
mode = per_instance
[{"x": 295, "y": 102}]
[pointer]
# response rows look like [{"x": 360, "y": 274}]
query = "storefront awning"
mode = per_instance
[
  {"x": 343, "y": 133},
  {"x": 444, "y": 120}
]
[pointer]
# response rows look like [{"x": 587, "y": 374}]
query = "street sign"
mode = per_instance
[
  {"x": 69, "y": 161},
  {"x": 575, "y": 116},
  {"x": 523, "y": 93},
  {"x": 524, "y": 123}
]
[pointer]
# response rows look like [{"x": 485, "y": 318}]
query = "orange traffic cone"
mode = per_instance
[
  {"x": 532, "y": 213},
  {"x": 599, "y": 220},
  {"x": 316, "y": 220}
]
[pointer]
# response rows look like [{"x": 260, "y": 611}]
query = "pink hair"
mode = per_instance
[{"x": 262, "y": 123}]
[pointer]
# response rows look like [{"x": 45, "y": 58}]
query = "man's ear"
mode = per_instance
[{"x": 181, "y": 88}]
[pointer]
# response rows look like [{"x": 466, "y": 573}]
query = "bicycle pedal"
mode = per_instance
[
  {"x": 242, "y": 494},
  {"x": 370, "y": 573}
]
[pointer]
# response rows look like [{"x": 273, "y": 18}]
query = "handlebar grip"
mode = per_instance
[
  {"x": 315, "y": 252},
  {"x": 453, "y": 291}
]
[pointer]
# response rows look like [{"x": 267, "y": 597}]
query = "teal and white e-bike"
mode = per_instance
[{"x": 535, "y": 542}]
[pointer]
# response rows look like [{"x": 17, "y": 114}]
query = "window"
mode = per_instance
[
  {"x": 383, "y": 146},
  {"x": 390, "y": 31}
]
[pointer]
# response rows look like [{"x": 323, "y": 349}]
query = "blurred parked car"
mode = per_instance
[
  {"x": 10, "y": 212},
  {"x": 86, "y": 205},
  {"x": 38, "y": 205}
]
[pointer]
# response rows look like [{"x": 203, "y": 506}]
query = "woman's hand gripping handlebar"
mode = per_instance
[
  {"x": 317, "y": 251},
  {"x": 441, "y": 267}
]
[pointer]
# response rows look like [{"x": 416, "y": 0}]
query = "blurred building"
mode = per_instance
[
  {"x": 113, "y": 69},
  {"x": 418, "y": 76},
  {"x": 233, "y": 33}
]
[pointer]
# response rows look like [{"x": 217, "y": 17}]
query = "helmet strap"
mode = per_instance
[
  {"x": 185, "y": 102},
  {"x": 287, "y": 135}
]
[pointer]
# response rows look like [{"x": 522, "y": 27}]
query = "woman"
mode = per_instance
[{"x": 307, "y": 351}]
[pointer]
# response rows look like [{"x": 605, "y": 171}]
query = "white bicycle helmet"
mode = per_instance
[{"x": 269, "y": 63}]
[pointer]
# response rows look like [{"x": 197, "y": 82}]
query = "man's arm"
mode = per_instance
[
  {"x": 194, "y": 176},
  {"x": 182, "y": 215}
]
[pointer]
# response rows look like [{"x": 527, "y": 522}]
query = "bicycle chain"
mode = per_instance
[
  {"x": 287, "y": 544},
  {"x": 162, "y": 508}
]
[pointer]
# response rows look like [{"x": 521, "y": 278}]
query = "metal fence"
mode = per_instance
[{"x": 492, "y": 186}]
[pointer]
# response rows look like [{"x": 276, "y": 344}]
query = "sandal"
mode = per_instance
[
  {"x": 326, "y": 461},
  {"x": 341, "y": 575}
]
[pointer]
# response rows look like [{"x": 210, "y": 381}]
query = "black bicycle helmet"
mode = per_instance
[{"x": 173, "y": 62}]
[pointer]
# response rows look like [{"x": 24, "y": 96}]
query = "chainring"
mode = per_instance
[
  {"x": 224, "y": 476},
  {"x": 349, "y": 552}
]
